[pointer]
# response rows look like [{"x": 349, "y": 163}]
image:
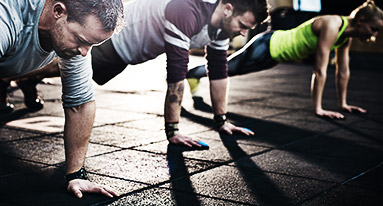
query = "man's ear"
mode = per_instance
[
  {"x": 59, "y": 10},
  {"x": 228, "y": 9}
]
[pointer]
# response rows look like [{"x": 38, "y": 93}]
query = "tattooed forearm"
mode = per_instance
[
  {"x": 173, "y": 101},
  {"x": 175, "y": 92}
]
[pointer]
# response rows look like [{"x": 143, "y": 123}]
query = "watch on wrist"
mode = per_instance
[
  {"x": 219, "y": 120},
  {"x": 81, "y": 174},
  {"x": 171, "y": 129}
]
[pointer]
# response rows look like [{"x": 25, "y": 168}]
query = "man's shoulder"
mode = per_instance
[
  {"x": 194, "y": 3},
  {"x": 16, "y": 14},
  {"x": 11, "y": 13},
  {"x": 21, "y": 9},
  {"x": 185, "y": 9},
  {"x": 18, "y": 20},
  {"x": 190, "y": 15},
  {"x": 11, "y": 25}
]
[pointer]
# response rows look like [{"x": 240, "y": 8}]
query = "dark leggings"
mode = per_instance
[
  {"x": 106, "y": 63},
  {"x": 253, "y": 57}
]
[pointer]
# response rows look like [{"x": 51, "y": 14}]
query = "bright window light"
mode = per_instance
[{"x": 307, "y": 5}]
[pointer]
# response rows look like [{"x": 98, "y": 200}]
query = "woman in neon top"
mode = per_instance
[{"x": 319, "y": 35}]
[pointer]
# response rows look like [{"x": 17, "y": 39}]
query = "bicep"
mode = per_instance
[
  {"x": 326, "y": 39},
  {"x": 76, "y": 77},
  {"x": 177, "y": 62},
  {"x": 179, "y": 29},
  {"x": 216, "y": 63},
  {"x": 342, "y": 55}
]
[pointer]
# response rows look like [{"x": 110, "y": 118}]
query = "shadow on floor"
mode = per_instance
[
  {"x": 301, "y": 143},
  {"x": 24, "y": 182},
  {"x": 178, "y": 170},
  {"x": 17, "y": 114}
]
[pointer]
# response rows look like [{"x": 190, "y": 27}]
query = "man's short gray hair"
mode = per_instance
[{"x": 109, "y": 12}]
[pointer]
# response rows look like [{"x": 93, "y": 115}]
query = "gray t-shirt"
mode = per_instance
[{"x": 21, "y": 53}]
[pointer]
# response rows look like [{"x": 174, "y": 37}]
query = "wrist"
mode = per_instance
[
  {"x": 171, "y": 129},
  {"x": 343, "y": 104},
  {"x": 81, "y": 174},
  {"x": 318, "y": 109},
  {"x": 219, "y": 120}
]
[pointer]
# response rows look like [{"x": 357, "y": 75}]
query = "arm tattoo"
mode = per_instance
[{"x": 175, "y": 92}]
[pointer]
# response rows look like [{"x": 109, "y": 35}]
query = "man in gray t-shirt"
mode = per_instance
[{"x": 33, "y": 33}]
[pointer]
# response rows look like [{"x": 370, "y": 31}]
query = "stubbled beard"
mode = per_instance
[
  {"x": 225, "y": 24},
  {"x": 63, "y": 54},
  {"x": 57, "y": 44}
]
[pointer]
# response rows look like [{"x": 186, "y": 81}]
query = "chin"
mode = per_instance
[{"x": 64, "y": 56}]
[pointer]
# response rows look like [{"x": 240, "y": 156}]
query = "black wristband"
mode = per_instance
[
  {"x": 171, "y": 129},
  {"x": 219, "y": 120},
  {"x": 81, "y": 174}
]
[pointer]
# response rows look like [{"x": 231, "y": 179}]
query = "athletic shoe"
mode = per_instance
[
  {"x": 5, "y": 107},
  {"x": 194, "y": 86},
  {"x": 31, "y": 98}
]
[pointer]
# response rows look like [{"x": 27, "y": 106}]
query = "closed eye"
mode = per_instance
[
  {"x": 82, "y": 41},
  {"x": 243, "y": 26}
]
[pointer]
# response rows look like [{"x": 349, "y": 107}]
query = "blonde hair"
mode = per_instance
[{"x": 368, "y": 10}]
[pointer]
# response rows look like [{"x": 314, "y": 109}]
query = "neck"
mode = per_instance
[
  {"x": 45, "y": 18},
  {"x": 217, "y": 15},
  {"x": 350, "y": 30},
  {"x": 45, "y": 22}
]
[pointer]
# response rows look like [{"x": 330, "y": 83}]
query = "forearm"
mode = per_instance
[
  {"x": 317, "y": 86},
  {"x": 77, "y": 130},
  {"x": 342, "y": 72},
  {"x": 342, "y": 78},
  {"x": 173, "y": 101},
  {"x": 218, "y": 94},
  {"x": 318, "y": 80},
  {"x": 47, "y": 71}
]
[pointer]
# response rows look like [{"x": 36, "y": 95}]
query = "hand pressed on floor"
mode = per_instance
[
  {"x": 79, "y": 186},
  {"x": 184, "y": 140},
  {"x": 230, "y": 129}
]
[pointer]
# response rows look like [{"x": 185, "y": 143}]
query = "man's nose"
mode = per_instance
[
  {"x": 84, "y": 50},
  {"x": 243, "y": 32}
]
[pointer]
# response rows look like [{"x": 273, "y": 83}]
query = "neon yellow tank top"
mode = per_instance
[{"x": 300, "y": 42}]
